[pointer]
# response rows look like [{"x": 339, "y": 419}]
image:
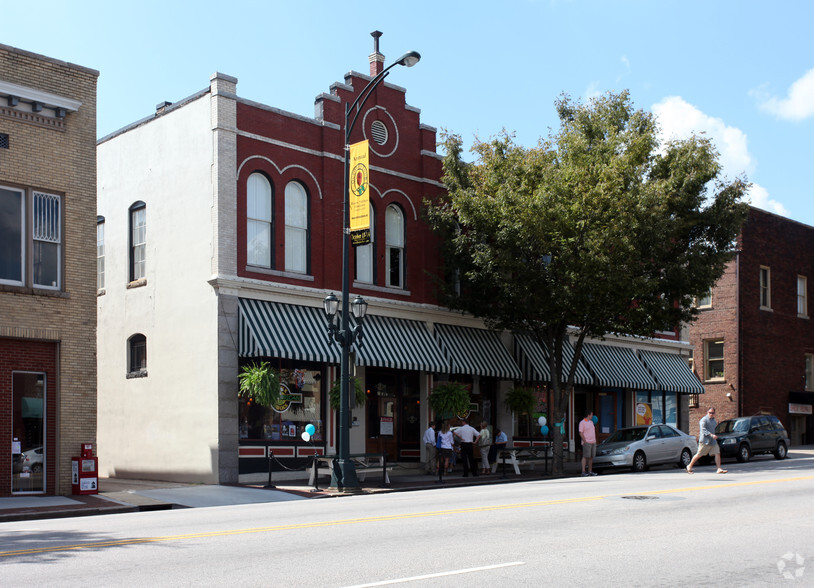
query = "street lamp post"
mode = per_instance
[{"x": 343, "y": 474}]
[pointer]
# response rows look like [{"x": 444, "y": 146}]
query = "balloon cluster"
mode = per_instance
[
  {"x": 543, "y": 427},
  {"x": 309, "y": 430}
]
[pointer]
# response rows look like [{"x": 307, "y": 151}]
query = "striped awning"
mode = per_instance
[
  {"x": 617, "y": 367},
  {"x": 399, "y": 344},
  {"x": 534, "y": 361},
  {"x": 671, "y": 372},
  {"x": 476, "y": 351},
  {"x": 273, "y": 329}
]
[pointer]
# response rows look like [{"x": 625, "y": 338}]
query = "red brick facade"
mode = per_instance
[{"x": 764, "y": 348}]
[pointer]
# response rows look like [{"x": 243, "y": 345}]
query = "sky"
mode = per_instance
[{"x": 741, "y": 71}]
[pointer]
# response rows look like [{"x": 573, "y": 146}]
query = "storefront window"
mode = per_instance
[
  {"x": 28, "y": 422},
  {"x": 299, "y": 405},
  {"x": 661, "y": 407}
]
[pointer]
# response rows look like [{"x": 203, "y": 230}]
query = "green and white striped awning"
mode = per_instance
[
  {"x": 534, "y": 361},
  {"x": 273, "y": 329},
  {"x": 476, "y": 351},
  {"x": 617, "y": 367},
  {"x": 399, "y": 344},
  {"x": 671, "y": 372}
]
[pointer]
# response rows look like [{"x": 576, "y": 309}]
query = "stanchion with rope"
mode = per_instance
[{"x": 271, "y": 456}]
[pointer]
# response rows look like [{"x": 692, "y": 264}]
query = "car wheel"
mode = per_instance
[
  {"x": 639, "y": 462},
  {"x": 686, "y": 458},
  {"x": 36, "y": 468},
  {"x": 744, "y": 453},
  {"x": 781, "y": 451}
]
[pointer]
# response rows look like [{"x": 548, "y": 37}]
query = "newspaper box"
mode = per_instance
[{"x": 84, "y": 472}]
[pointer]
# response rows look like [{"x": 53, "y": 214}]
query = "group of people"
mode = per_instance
[{"x": 440, "y": 442}]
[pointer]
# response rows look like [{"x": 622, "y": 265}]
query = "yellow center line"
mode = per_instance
[{"x": 384, "y": 518}]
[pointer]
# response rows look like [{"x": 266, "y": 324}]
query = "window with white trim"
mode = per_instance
[
  {"x": 394, "y": 246},
  {"x": 30, "y": 238},
  {"x": 714, "y": 360},
  {"x": 802, "y": 296},
  {"x": 296, "y": 228},
  {"x": 365, "y": 255},
  {"x": 137, "y": 356},
  {"x": 258, "y": 221},
  {"x": 100, "y": 253},
  {"x": 704, "y": 301},
  {"x": 765, "y": 287},
  {"x": 138, "y": 241},
  {"x": 12, "y": 236}
]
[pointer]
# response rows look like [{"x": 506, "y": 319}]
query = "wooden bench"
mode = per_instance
[
  {"x": 517, "y": 456},
  {"x": 364, "y": 463}
]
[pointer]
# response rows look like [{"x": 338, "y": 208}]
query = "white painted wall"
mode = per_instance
[{"x": 165, "y": 425}]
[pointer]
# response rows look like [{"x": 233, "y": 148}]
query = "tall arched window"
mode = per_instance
[
  {"x": 296, "y": 228},
  {"x": 137, "y": 356},
  {"x": 258, "y": 221},
  {"x": 138, "y": 241},
  {"x": 394, "y": 243},
  {"x": 365, "y": 254}
]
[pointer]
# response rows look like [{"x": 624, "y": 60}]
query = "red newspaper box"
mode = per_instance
[{"x": 84, "y": 472}]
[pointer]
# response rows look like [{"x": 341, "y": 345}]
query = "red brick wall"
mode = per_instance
[{"x": 29, "y": 356}]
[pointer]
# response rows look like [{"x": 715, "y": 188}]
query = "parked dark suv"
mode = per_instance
[{"x": 746, "y": 436}]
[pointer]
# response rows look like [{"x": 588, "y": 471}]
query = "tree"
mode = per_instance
[{"x": 599, "y": 229}]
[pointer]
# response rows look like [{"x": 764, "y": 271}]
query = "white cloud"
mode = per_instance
[
  {"x": 679, "y": 119},
  {"x": 759, "y": 197},
  {"x": 797, "y": 105}
]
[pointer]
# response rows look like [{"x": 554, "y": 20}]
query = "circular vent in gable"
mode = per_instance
[{"x": 379, "y": 132}]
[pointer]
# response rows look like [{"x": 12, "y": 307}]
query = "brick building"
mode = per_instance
[
  {"x": 223, "y": 235},
  {"x": 47, "y": 269},
  {"x": 754, "y": 338}
]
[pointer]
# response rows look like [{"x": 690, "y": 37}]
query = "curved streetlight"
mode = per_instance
[{"x": 343, "y": 474}]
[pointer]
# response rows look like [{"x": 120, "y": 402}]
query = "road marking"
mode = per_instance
[
  {"x": 384, "y": 518},
  {"x": 438, "y": 575}
]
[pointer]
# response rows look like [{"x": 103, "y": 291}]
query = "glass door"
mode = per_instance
[{"x": 28, "y": 432}]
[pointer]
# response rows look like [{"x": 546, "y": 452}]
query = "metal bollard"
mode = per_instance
[{"x": 271, "y": 455}]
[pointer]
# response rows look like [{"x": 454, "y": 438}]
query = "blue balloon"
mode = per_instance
[
  {"x": 595, "y": 419},
  {"x": 310, "y": 429},
  {"x": 544, "y": 429}
]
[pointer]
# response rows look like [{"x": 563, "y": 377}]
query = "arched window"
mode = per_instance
[
  {"x": 365, "y": 254},
  {"x": 258, "y": 221},
  {"x": 137, "y": 356},
  {"x": 138, "y": 241},
  {"x": 296, "y": 228},
  {"x": 394, "y": 243}
]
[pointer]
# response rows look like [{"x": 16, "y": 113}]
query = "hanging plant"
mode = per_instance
[
  {"x": 260, "y": 383},
  {"x": 357, "y": 389},
  {"x": 522, "y": 400},
  {"x": 449, "y": 398}
]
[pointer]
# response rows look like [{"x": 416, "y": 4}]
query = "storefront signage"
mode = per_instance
[
  {"x": 286, "y": 399},
  {"x": 386, "y": 426},
  {"x": 644, "y": 414},
  {"x": 800, "y": 408},
  {"x": 473, "y": 407}
]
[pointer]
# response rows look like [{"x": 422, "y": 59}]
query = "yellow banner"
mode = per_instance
[{"x": 358, "y": 185}]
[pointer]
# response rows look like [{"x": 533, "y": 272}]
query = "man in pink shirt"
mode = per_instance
[{"x": 587, "y": 432}]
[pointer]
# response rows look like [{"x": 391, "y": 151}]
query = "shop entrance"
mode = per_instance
[{"x": 393, "y": 425}]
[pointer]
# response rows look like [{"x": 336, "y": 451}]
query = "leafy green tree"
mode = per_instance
[{"x": 598, "y": 229}]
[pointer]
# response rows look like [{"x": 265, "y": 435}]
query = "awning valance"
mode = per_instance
[
  {"x": 399, "y": 344},
  {"x": 671, "y": 372},
  {"x": 617, "y": 367},
  {"x": 476, "y": 351},
  {"x": 273, "y": 329},
  {"x": 534, "y": 359}
]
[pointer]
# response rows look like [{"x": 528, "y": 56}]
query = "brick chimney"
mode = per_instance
[{"x": 376, "y": 58}]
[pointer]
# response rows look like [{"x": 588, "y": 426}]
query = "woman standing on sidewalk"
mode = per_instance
[
  {"x": 484, "y": 444},
  {"x": 445, "y": 450}
]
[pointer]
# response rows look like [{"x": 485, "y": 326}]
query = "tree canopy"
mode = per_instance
[{"x": 598, "y": 229}]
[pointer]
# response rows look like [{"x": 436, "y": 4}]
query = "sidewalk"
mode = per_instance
[{"x": 118, "y": 495}]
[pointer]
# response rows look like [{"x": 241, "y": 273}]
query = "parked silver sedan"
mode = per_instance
[{"x": 638, "y": 448}]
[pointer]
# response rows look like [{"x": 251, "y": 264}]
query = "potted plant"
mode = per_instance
[
  {"x": 359, "y": 393},
  {"x": 522, "y": 400},
  {"x": 260, "y": 382},
  {"x": 449, "y": 398}
]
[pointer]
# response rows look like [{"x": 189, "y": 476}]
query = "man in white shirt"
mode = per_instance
[
  {"x": 429, "y": 443},
  {"x": 469, "y": 436}
]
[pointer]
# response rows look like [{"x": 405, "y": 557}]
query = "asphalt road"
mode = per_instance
[{"x": 751, "y": 527}]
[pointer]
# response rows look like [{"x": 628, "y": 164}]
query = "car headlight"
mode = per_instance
[
  {"x": 619, "y": 451},
  {"x": 729, "y": 441}
]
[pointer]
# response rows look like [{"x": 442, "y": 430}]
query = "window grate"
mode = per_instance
[{"x": 3, "y": 141}]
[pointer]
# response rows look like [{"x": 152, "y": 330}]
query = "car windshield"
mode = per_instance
[
  {"x": 733, "y": 426},
  {"x": 627, "y": 435}
]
